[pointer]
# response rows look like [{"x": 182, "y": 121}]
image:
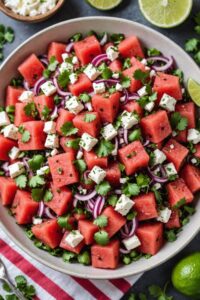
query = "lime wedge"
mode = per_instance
[
  {"x": 104, "y": 4},
  {"x": 166, "y": 13},
  {"x": 194, "y": 91}
]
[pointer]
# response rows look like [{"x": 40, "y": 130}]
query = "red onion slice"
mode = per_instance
[
  {"x": 104, "y": 39},
  {"x": 69, "y": 47},
  {"x": 129, "y": 229},
  {"x": 169, "y": 61},
  {"x": 44, "y": 61},
  {"x": 36, "y": 88},
  {"x": 123, "y": 251},
  {"x": 133, "y": 96},
  {"x": 98, "y": 206},
  {"x": 4, "y": 167},
  {"x": 40, "y": 209},
  {"x": 146, "y": 143},
  {"x": 126, "y": 136},
  {"x": 108, "y": 81},
  {"x": 99, "y": 59},
  {"x": 85, "y": 197},
  {"x": 156, "y": 178},
  {"x": 118, "y": 192},
  {"x": 59, "y": 91},
  {"x": 26, "y": 85},
  {"x": 48, "y": 213}
]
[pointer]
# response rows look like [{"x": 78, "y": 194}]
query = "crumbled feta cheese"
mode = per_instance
[
  {"x": 48, "y": 88},
  {"x": 167, "y": 102},
  {"x": 73, "y": 77},
  {"x": 193, "y": 136},
  {"x": 142, "y": 92},
  {"x": 123, "y": 180},
  {"x": 65, "y": 66},
  {"x": 152, "y": 73},
  {"x": 170, "y": 169},
  {"x": 115, "y": 75},
  {"x": 119, "y": 87},
  {"x": 65, "y": 56},
  {"x": 109, "y": 132},
  {"x": 193, "y": 161},
  {"x": 97, "y": 174},
  {"x": 74, "y": 238},
  {"x": 157, "y": 186},
  {"x": 16, "y": 169},
  {"x": 149, "y": 106},
  {"x": 10, "y": 131},
  {"x": 164, "y": 215},
  {"x": 4, "y": 119},
  {"x": 52, "y": 141},
  {"x": 87, "y": 142},
  {"x": 99, "y": 88},
  {"x": 43, "y": 171},
  {"x": 159, "y": 157},
  {"x": 26, "y": 96},
  {"x": 74, "y": 105},
  {"x": 91, "y": 72},
  {"x": 79, "y": 154},
  {"x": 75, "y": 60},
  {"x": 124, "y": 204},
  {"x": 37, "y": 221},
  {"x": 14, "y": 153},
  {"x": 174, "y": 133},
  {"x": 50, "y": 127},
  {"x": 54, "y": 152},
  {"x": 132, "y": 242},
  {"x": 112, "y": 53},
  {"x": 128, "y": 119}
]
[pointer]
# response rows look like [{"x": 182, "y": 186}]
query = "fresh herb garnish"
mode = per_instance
[
  {"x": 68, "y": 129},
  {"x": 178, "y": 122},
  {"x": 37, "y": 194},
  {"x": 180, "y": 203},
  {"x": 48, "y": 196},
  {"x": 6, "y": 36},
  {"x": 36, "y": 181},
  {"x": 103, "y": 188},
  {"x": 116, "y": 38},
  {"x": 21, "y": 181},
  {"x": 153, "y": 52},
  {"x": 101, "y": 238},
  {"x": 130, "y": 189},
  {"x": 73, "y": 143},
  {"x": 104, "y": 148},
  {"x": 63, "y": 222},
  {"x": 85, "y": 98},
  {"x": 31, "y": 110},
  {"x": 25, "y": 136},
  {"x": 63, "y": 79},
  {"x": 89, "y": 118},
  {"x": 101, "y": 221},
  {"x": 80, "y": 165},
  {"x": 36, "y": 162}
]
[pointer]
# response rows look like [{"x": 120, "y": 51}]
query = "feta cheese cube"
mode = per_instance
[
  {"x": 123, "y": 205},
  {"x": 115, "y": 75},
  {"x": 97, "y": 174},
  {"x": 164, "y": 215},
  {"x": 99, "y": 88},
  {"x": 4, "y": 119},
  {"x": 75, "y": 60},
  {"x": 157, "y": 186},
  {"x": 123, "y": 180},
  {"x": 193, "y": 136},
  {"x": 167, "y": 102},
  {"x": 149, "y": 106},
  {"x": 52, "y": 141},
  {"x": 142, "y": 92},
  {"x": 65, "y": 56},
  {"x": 144, "y": 61},
  {"x": 159, "y": 157},
  {"x": 87, "y": 142},
  {"x": 170, "y": 169},
  {"x": 48, "y": 88},
  {"x": 73, "y": 78},
  {"x": 10, "y": 131},
  {"x": 132, "y": 242},
  {"x": 128, "y": 119},
  {"x": 112, "y": 53},
  {"x": 74, "y": 238},
  {"x": 14, "y": 153},
  {"x": 119, "y": 87},
  {"x": 152, "y": 73},
  {"x": 16, "y": 169},
  {"x": 50, "y": 127},
  {"x": 37, "y": 221},
  {"x": 109, "y": 132},
  {"x": 91, "y": 72},
  {"x": 43, "y": 171},
  {"x": 65, "y": 66},
  {"x": 54, "y": 152},
  {"x": 26, "y": 96},
  {"x": 73, "y": 105}
]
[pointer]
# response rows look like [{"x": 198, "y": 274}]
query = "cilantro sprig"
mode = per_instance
[
  {"x": 6, "y": 36},
  {"x": 101, "y": 221},
  {"x": 68, "y": 129},
  {"x": 104, "y": 148},
  {"x": 178, "y": 122}
]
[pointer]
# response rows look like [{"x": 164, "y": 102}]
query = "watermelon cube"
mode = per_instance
[
  {"x": 63, "y": 170},
  {"x": 8, "y": 189},
  {"x": 115, "y": 221},
  {"x": 116, "y": 66},
  {"x": 87, "y": 49},
  {"x": 64, "y": 116},
  {"x": 175, "y": 153},
  {"x": 130, "y": 47},
  {"x": 56, "y": 50},
  {"x": 24, "y": 207},
  {"x": 134, "y": 157},
  {"x": 133, "y": 106},
  {"x": 63, "y": 143},
  {"x": 113, "y": 174},
  {"x": 13, "y": 94},
  {"x": 48, "y": 233},
  {"x": 87, "y": 229},
  {"x": 66, "y": 246},
  {"x": 83, "y": 85},
  {"x": 191, "y": 176},
  {"x": 105, "y": 257},
  {"x": 92, "y": 128},
  {"x": 145, "y": 206},
  {"x": 37, "y": 136},
  {"x": 197, "y": 148},
  {"x": 107, "y": 107},
  {"x": 177, "y": 191},
  {"x": 156, "y": 127},
  {"x": 31, "y": 69},
  {"x": 44, "y": 103},
  {"x": 92, "y": 160},
  {"x": 5, "y": 146},
  {"x": 20, "y": 115},
  {"x": 151, "y": 237},
  {"x": 174, "y": 221}
]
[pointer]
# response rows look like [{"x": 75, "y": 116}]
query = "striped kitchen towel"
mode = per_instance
[{"x": 52, "y": 285}]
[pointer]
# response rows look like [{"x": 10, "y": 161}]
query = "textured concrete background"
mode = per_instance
[{"x": 129, "y": 10}]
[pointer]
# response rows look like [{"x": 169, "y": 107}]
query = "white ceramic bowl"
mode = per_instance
[{"x": 38, "y": 44}]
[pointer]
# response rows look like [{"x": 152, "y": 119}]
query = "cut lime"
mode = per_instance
[
  {"x": 194, "y": 91},
  {"x": 104, "y": 4},
  {"x": 166, "y": 13}
]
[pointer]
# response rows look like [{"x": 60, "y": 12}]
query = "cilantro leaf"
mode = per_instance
[
  {"x": 85, "y": 98},
  {"x": 21, "y": 181},
  {"x": 48, "y": 196},
  {"x": 142, "y": 180},
  {"x": 131, "y": 189},
  {"x": 63, "y": 222},
  {"x": 179, "y": 73},
  {"x": 135, "y": 135},
  {"x": 155, "y": 291},
  {"x": 153, "y": 52},
  {"x": 45, "y": 112},
  {"x": 178, "y": 122},
  {"x": 197, "y": 57},
  {"x": 170, "y": 235},
  {"x": 80, "y": 165},
  {"x": 25, "y": 136},
  {"x": 89, "y": 118},
  {"x": 21, "y": 281},
  {"x": 116, "y": 38},
  {"x": 192, "y": 45},
  {"x": 140, "y": 75},
  {"x": 9, "y": 35},
  {"x": 68, "y": 256},
  {"x": 37, "y": 194},
  {"x": 180, "y": 203},
  {"x": 6, "y": 287},
  {"x": 197, "y": 29},
  {"x": 36, "y": 181},
  {"x": 63, "y": 79},
  {"x": 182, "y": 124},
  {"x": 125, "y": 82},
  {"x": 104, "y": 148},
  {"x": 101, "y": 221},
  {"x": 53, "y": 63},
  {"x": 36, "y": 162},
  {"x": 101, "y": 238},
  {"x": 74, "y": 144},
  {"x": 112, "y": 200},
  {"x": 30, "y": 109},
  {"x": 197, "y": 18},
  {"x": 103, "y": 188},
  {"x": 127, "y": 63},
  {"x": 68, "y": 129}
]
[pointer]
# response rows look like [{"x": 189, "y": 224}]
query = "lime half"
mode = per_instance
[
  {"x": 104, "y": 4},
  {"x": 194, "y": 91},
  {"x": 166, "y": 13}
]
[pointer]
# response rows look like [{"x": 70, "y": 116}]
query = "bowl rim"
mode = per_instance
[{"x": 13, "y": 238}]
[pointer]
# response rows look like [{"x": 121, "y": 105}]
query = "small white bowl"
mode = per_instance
[{"x": 38, "y": 44}]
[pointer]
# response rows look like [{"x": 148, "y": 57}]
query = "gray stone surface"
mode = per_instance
[{"x": 129, "y": 10}]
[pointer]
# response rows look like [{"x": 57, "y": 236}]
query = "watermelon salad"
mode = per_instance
[{"x": 99, "y": 150}]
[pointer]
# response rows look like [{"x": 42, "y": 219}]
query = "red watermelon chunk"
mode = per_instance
[
  {"x": 134, "y": 157},
  {"x": 156, "y": 127},
  {"x": 56, "y": 50},
  {"x": 24, "y": 207},
  {"x": 8, "y": 189},
  {"x": 64, "y": 116},
  {"x": 87, "y": 49},
  {"x": 130, "y": 47},
  {"x": 63, "y": 170},
  {"x": 66, "y": 246},
  {"x": 20, "y": 115},
  {"x": 174, "y": 221},
  {"x": 5, "y": 146},
  {"x": 42, "y": 103},
  {"x": 178, "y": 190},
  {"x": 13, "y": 94},
  {"x": 63, "y": 143},
  {"x": 191, "y": 176},
  {"x": 151, "y": 237},
  {"x": 37, "y": 136},
  {"x": 107, "y": 107},
  {"x": 175, "y": 153},
  {"x": 105, "y": 257},
  {"x": 133, "y": 106},
  {"x": 113, "y": 173},
  {"x": 48, "y": 233},
  {"x": 87, "y": 229},
  {"x": 145, "y": 206},
  {"x": 92, "y": 128},
  {"x": 31, "y": 69},
  {"x": 197, "y": 148},
  {"x": 83, "y": 85},
  {"x": 92, "y": 160},
  {"x": 115, "y": 221},
  {"x": 116, "y": 66}
]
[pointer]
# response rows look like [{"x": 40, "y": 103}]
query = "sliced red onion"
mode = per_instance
[
  {"x": 98, "y": 206},
  {"x": 115, "y": 150},
  {"x": 104, "y": 39},
  {"x": 118, "y": 192},
  {"x": 108, "y": 81},
  {"x": 88, "y": 106},
  {"x": 48, "y": 213},
  {"x": 25, "y": 162},
  {"x": 121, "y": 141},
  {"x": 86, "y": 173},
  {"x": 85, "y": 197},
  {"x": 124, "y": 99},
  {"x": 44, "y": 61},
  {"x": 129, "y": 229},
  {"x": 70, "y": 47},
  {"x": 5, "y": 166},
  {"x": 99, "y": 59},
  {"x": 126, "y": 136},
  {"x": 26, "y": 85},
  {"x": 40, "y": 209},
  {"x": 55, "y": 111},
  {"x": 133, "y": 96},
  {"x": 169, "y": 61},
  {"x": 36, "y": 88},
  {"x": 123, "y": 251},
  {"x": 146, "y": 143},
  {"x": 59, "y": 91},
  {"x": 156, "y": 178},
  {"x": 75, "y": 201}
]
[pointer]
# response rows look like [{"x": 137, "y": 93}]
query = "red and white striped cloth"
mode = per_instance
[{"x": 52, "y": 285}]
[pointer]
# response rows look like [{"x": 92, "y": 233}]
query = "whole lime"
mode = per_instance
[{"x": 186, "y": 276}]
